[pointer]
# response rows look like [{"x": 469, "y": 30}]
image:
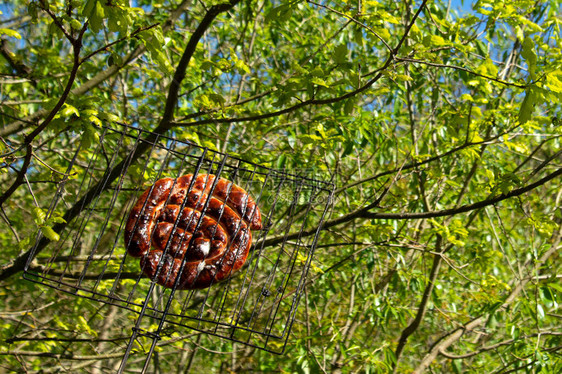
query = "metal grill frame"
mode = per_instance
[{"x": 299, "y": 203}]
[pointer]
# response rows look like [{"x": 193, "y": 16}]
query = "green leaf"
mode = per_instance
[
  {"x": 202, "y": 102},
  {"x": 32, "y": 11},
  {"x": 88, "y": 8},
  {"x": 96, "y": 17},
  {"x": 317, "y": 72},
  {"x": 110, "y": 117},
  {"x": 387, "y": 17},
  {"x": 154, "y": 41},
  {"x": 90, "y": 135},
  {"x": 529, "y": 54},
  {"x": 218, "y": 99},
  {"x": 96, "y": 121},
  {"x": 349, "y": 146},
  {"x": 467, "y": 97},
  {"x": 488, "y": 68},
  {"x": 519, "y": 33},
  {"x": 281, "y": 161},
  {"x": 39, "y": 215},
  {"x": 319, "y": 82},
  {"x": 75, "y": 24},
  {"x": 515, "y": 332},
  {"x": 457, "y": 366},
  {"x": 403, "y": 78},
  {"x": 281, "y": 13},
  {"x": 242, "y": 67},
  {"x": 349, "y": 106},
  {"x": 340, "y": 54},
  {"x": 50, "y": 233},
  {"x": 437, "y": 40},
  {"x": 554, "y": 81},
  {"x": 25, "y": 243},
  {"x": 139, "y": 173},
  {"x": 119, "y": 19},
  {"x": 548, "y": 294},
  {"x": 540, "y": 311},
  {"x": 10, "y": 33},
  {"x": 528, "y": 105},
  {"x": 99, "y": 11},
  {"x": 530, "y": 26},
  {"x": 309, "y": 139},
  {"x": 57, "y": 220},
  {"x": 383, "y": 33},
  {"x": 68, "y": 110},
  {"x": 83, "y": 325}
]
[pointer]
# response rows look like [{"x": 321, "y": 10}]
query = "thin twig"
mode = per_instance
[
  {"x": 413, "y": 326},
  {"x": 448, "y": 66},
  {"x": 354, "y": 20},
  {"x": 105, "y": 47},
  {"x": 495, "y": 346}
]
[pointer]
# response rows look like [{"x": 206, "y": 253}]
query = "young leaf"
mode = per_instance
[
  {"x": 349, "y": 106},
  {"x": 51, "y": 234},
  {"x": 540, "y": 311},
  {"x": 39, "y": 215},
  {"x": 529, "y": 54},
  {"x": 75, "y": 24},
  {"x": 528, "y": 105},
  {"x": 554, "y": 81},
  {"x": 10, "y": 33},
  {"x": 340, "y": 54}
]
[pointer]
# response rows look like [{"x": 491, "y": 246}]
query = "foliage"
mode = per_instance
[{"x": 439, "y": 122}]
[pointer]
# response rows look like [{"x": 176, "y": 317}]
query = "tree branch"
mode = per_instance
[
  {"x": 463, "y": 208},
  {"x": 21, "y": 69},
  {"x": 179, "y": 75},
  {"x": 20, "y": 176},
  {"x": 365, "y": 213},
  {"x": 413, "y": 326},
  {"x": 455, "y": 67},
  {"x": 60, "y": 356},
  {"x": 18, "y": 264},
  {"x": 68, "y": 340},
  {"x": 99, "y": 78},
  {"x": 497, "y": 345},
  {"x": 354, "y": 20},
  {"x": 414, "y": 165},
  {"x": 105, "y": 47},
  {"x": 311, "y": 102},
  {"x": 76, "y": 46},
  {"x": 39, "y": 269}
]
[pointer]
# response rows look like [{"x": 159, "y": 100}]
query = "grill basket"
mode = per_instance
[{"x": 256, "y": 306}]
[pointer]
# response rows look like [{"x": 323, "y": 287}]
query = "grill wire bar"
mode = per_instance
[{"x": 256, "y": 306}]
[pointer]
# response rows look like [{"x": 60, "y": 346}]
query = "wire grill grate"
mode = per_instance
[{"x": 256, "y": 306}]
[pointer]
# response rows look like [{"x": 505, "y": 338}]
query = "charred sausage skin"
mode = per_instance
[{"x": 216, "y": 250}]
